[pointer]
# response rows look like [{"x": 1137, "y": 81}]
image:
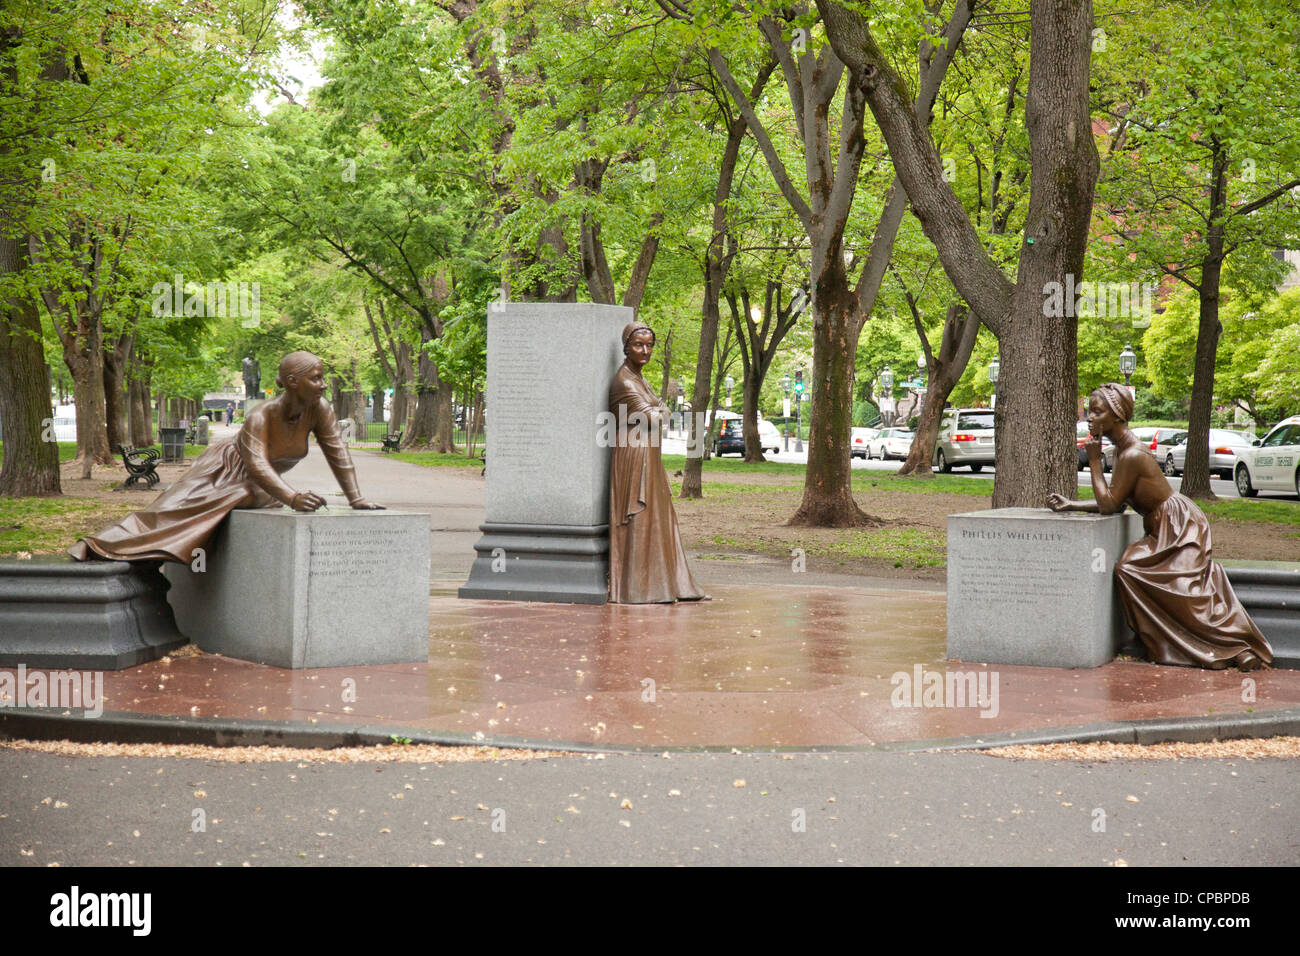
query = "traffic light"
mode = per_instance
[{"x": 798, "y": 382}]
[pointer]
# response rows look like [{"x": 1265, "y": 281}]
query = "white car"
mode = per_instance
[
  {"x": 860, "y": 441},
  {"x": 891, "y": 443},
  {"x": 1272, "y": 463},
  {"x": 769, "y": 436}
]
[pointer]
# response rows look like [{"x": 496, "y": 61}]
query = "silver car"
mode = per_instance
[
  {"x": 1225, "y": 449},
  {"x": 965, "y": 438},
  {"x": 891, "y": 443},
  {"x": 1146, "y": 435}
]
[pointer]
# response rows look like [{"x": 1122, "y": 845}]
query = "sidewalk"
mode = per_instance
[{"x": 767, "y": 664}]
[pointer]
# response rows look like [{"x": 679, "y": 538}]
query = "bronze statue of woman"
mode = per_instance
[
  {"x": 241, "y": 473},
  {"x": 646, "y": 562},
  {"x": 1177, "y": 600}
]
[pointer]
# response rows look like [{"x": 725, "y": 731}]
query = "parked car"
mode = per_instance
[
  {"x": 1271, "y": 463},
  {"x": 965, "y": 438},
  {"x": 1225, "y": 446},
  {"x": 731, "y": 436},
  {"x": 1164, "y": 442},
  {"x": 891, "y": 443},
  {"x": 1081, "y": 436},
  {"x": 860, "y": 440},
  {"x": 1145, "y": 434}
]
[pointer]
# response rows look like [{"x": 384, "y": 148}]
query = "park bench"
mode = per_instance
[
  {"x": 393, "y": 442},
  {"x": 141, "y": 465}
]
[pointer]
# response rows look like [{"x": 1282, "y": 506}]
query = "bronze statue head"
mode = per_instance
[
  {"x": 297, "y": 365},
  {"x": 638, "y": 343},
  {"x": 1117, "y": 399}
]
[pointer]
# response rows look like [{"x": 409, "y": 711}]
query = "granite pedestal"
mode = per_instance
[
  {"x": 94, "y": 615},
  {"x": 546, "y": 537},
  {"x": 1031, "y": 586},
  {"x": 331, "y": 588}
]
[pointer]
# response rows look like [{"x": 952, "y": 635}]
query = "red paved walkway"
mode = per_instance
[{"x": 770, "y": 666}]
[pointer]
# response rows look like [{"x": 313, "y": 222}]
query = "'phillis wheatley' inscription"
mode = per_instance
[{"x": 1031, "y": 566}]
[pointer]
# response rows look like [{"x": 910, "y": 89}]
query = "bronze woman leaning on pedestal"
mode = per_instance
[
  {"x": 1177, "y": 600},
  {"x": 241, "y": 473},
  {"x": 646, "y": 562}
]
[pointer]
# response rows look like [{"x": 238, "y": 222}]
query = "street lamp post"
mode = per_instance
[
  {"x": 1128, "y": 363},
  {"x": 995, "y": 367},
  {"x": 920, "y": 377},
  {"x": 730, "y": 384},
  {"x": 785, "y": 393},
  {"x": 887, "y": 384}
]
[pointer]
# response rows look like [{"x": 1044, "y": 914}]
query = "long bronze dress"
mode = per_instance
[
  {"x": 243, "y": 472},
  {"x": 646, "y": 562},
  {"x": 1178, "y": 600}
]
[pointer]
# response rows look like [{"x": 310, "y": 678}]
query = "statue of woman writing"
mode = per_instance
[
  {"x": 241, "y": 473},
  {"x": 1177, "y": 600},
  {"x": 646, "y": 562}
]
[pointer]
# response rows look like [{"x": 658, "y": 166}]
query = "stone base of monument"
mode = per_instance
[
  {"x": 1031, "y": 586},
  {"x": 327, "y": 589},
  {"x": 1270, "y": 593},
  {"x": 93, "y": 615},
  {"x": 526, "y": 562}
]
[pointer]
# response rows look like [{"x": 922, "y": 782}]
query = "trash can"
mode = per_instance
[
  {"x": 203, "y": 430},
  {"x": 173, "y": 444}
]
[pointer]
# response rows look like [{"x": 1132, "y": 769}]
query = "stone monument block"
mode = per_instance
[
  {"x": 330, "y": 588},
  {"x": 546, "y": 533},
  {"x": 1033, "y": 586}
]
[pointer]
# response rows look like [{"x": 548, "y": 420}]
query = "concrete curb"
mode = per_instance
[{"x": 125, "y": 727}]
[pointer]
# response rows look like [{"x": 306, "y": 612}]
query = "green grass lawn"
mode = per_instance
[
  {"x": 51, "y": 524},
  {"x": 431, "y": 459},
  {"x": 68, "y": 451}
]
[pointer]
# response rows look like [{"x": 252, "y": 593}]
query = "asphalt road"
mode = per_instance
[{"x": 861, "y": 808}]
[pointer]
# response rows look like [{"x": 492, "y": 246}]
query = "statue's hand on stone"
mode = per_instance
[
  {"x": 361, "y": 504},
  {"x": 307, "y": 501},
  {"x": 1058, "y": 502}
]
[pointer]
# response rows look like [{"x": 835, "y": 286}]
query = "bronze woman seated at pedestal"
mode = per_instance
[
  {"x": 1177, "y": 600},
  {"x": 241, "y": 473}
]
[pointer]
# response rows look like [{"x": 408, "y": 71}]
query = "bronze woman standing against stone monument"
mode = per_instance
[
  {"x": 646, "y": 562},
  {"x": 1177, "y": 600},
  {"x": 241, "y": 473}
]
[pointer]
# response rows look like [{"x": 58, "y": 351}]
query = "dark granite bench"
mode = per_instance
[{"x": 1270, "y": 592}]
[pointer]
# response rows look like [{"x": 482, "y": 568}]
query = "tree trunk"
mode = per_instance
[
  {"x": 31, "y": 463},
  {"x": 1037, "y": 392},
  {"x": 749, "y": 389},
  {"x": 115, "y": 393},
  {"x": 446, "y": 419},
  {"x": 827, "y": 492},
  {"x": 88, "y": 395},
  {"x": 960, "y": 328},
  {"x": 141, "y": 412},
  {"x": 377, "y": 403},
  {"x": 1196, "y": 469},
  {"x": 424, "y": 424}
]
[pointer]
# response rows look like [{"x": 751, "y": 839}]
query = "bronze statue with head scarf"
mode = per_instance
[
  {"x": 243, "y": 472},
  {"x": 647, "y": 564},
  {"x": 1176, "y": 598}
]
